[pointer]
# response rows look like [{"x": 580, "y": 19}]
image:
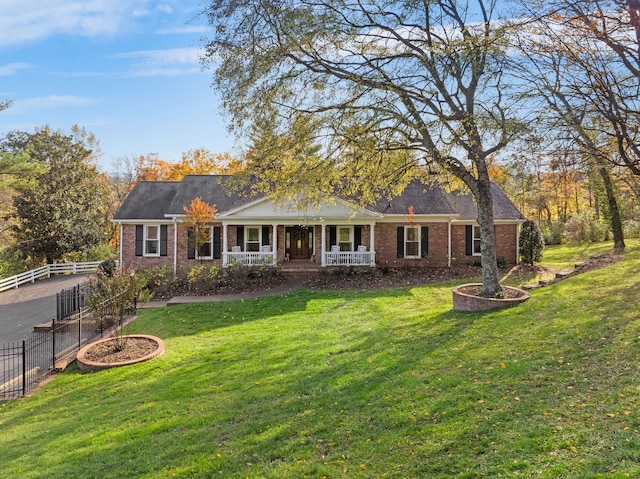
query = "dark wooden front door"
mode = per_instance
[{"x": 299, "y": 242}]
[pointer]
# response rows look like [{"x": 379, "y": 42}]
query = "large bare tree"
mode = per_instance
[{"x": 375, "y": 79}]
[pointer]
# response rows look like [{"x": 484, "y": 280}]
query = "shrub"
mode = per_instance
[
  {"x": 531, "y": 242},
  {"x": 585, "y": 228},
  {"x": 553, "y": 233}
]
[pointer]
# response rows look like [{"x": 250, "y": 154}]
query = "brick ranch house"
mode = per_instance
[{"x": 253, "y": 229}]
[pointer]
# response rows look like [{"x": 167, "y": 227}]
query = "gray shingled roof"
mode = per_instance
[
  {"x": 426, "y": 199},
  {"x": 503, "y": 207},
  {"x": 150, "y": 200}
]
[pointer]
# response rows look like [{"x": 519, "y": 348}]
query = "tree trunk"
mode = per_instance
[
  {"x": 614, "y": 212},
  {"x": 484, "y": 202}
]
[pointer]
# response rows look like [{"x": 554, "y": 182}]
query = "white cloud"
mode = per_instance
[
  {"x": 48, "y": 102},
  {"x": 170, "y": 62},
  {"x": 164, "y": 57},
  {"x": 13, "y": 68},
  {"x": 29, "y": 20},
  {"x": 186, "y": 30}
]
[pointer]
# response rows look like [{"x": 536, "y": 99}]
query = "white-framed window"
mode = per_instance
[
  {"x": 476, "y": 241},
  {"x": 252, "y": 237},
  {"x": 411, "y": 241},
  {"x": 152, "y": 240},
  {"x": 345, "y": 238},
  {"x": 205, "y": 243}
]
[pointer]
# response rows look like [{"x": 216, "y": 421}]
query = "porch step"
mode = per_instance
[{"x": 310, "y": 271}]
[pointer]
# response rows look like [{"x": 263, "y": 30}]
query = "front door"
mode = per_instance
[{"x": 299, "y": 242}]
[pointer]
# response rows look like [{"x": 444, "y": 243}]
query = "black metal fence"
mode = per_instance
[
  {"x": 23, "y": 364},
  {"x": 70, "y": 301}
]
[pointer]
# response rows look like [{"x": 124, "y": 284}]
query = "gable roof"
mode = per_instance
[{"x": 157, "y": 200}]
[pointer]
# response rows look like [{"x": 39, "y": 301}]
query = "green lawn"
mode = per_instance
[{"x": 389, "y": 384}]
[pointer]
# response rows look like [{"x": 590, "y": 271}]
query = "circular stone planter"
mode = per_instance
[
  {"x": 463, "y": 301},
  {"x": 88, "y": 365}
]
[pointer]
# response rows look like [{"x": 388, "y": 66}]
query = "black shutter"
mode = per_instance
[
  {"x": 139, "y": 239},
  {"x": 469, "y": 240},
  {"x": 265, "y": 235},
  {"x": 333, "y": 235},
  {"x": 400, "y": 243},
  {"x": 424, "y": 241},
  {"x": 191, "y": 247},
  {"x": 240, "y": 237},
  {"x": 217, "y": 234},
  {"x": 357, "y": 237},
  {"x": 163, "y": 240}
]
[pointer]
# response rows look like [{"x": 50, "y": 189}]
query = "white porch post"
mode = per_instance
[
  {"x": 324, "y": 242},
  {"x": 224, "y": 243},
  {"x": 372, "y": 241},
  {"x": 275, "y": 241}
]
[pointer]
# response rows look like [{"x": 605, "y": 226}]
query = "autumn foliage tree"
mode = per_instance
[
  {"x": 199, "y": 216},
  {"x": 193, "y": 162}
]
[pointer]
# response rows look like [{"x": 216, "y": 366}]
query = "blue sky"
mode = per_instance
[{"x": 126, "y": 70}]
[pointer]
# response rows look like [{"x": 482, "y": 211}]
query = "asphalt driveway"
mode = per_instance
[{"x": 24, "y": 307}]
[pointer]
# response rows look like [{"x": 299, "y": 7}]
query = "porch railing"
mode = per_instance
[
  {"x": 350, "y": 258},
  {"x": 248, "y": 258}
]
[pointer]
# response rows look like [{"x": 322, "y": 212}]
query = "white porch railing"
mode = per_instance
[
  {"x": 248, "y": 258},
  {"x": 46, "y": 272},
  {"x": 350, "y": 258}
]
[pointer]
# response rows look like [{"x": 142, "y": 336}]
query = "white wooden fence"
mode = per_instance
[{"x": 46, "y": 272}]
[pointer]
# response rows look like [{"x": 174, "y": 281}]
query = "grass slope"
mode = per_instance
[{"x": 389, "y": 384}]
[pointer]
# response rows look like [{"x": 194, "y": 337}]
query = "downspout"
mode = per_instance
[
  {"x": 518, "y": 242},
  {"x": 120, "y": 266},
  {"x": 175, "y": 247},
  {"x": 449, "y": 243}
]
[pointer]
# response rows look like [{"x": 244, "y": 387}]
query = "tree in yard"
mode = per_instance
[
  {"x": 531, "y": 242},
  {"x": 390, "y": 88},
  {"x": 198, "y": 221},
  {"x": 65, "y": 211}
]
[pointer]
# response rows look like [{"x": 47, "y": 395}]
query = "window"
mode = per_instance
[
  {"x": 476, "y": 240},
  {"x": 345, "y": 238},
  {"x": 411, "y": 242},
  {"x": 205, "y": 243},
  {"x": 252, "y": 235},
  {"x": 152, "y": 241}
]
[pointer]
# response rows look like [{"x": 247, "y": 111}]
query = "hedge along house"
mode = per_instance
[{"x": 425, "y": 225}]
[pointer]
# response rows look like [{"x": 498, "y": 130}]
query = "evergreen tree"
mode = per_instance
[{"x": 531, "y": 242}]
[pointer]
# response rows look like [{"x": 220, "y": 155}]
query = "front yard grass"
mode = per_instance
[{"x": 376, "y": 384}]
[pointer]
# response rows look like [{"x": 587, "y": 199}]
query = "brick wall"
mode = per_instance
[
  {"x": 133, "y": 262},
  {"x": 386, "y": 245}
]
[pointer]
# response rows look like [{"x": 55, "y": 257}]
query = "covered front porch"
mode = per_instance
[
  {"x": 335, "y": 233},
  {"x": 324, "y": 245}
]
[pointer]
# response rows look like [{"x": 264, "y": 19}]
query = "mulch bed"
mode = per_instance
[{"x": 122, "y": 349}]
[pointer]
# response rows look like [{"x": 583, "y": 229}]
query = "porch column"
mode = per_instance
[
  {"x": 324, "y": 242},
  {"x": 372, "y": 241},
  {"x": 224, "y": 243},
  {"x": 275, "y": 241}
]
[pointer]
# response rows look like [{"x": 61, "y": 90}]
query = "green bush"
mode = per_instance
[
  {"x": 531, "y": 242},
  {"x": 553, "y": 233},
  {"x": 585, "y": 228}
]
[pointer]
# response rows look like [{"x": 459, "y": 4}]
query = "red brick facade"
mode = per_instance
[{"x": 386, "y": 247}]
